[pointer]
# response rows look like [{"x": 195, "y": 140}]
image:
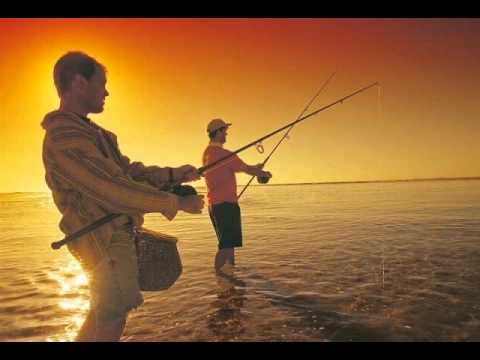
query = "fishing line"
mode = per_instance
[{"x": 379, "y": 119}]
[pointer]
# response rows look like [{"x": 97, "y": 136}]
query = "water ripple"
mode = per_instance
[{"x": 358, "y": 262}]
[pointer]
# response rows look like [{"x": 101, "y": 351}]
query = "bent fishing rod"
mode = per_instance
[
  {"x": 186, "y": 190},
  {"x": 285, "y": 136}
]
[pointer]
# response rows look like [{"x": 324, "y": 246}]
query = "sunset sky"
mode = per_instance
[{"x": 168, "y": 77}]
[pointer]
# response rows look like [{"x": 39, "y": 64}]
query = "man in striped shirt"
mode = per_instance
[
  {"x": 222, "y": 192},
  {"x": 89, "y": 177}
]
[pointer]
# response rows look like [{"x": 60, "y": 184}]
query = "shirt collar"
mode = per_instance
[{"x": 88, "y": 121}]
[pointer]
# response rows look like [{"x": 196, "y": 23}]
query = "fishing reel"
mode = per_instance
[
  {"x": 180, "y": 190},
  {"x": 263, "y": 179},
  {"x": 183, "y": 190}
]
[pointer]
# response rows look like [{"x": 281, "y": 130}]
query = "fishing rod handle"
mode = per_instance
[
  {"x": 179, "y": 190},
  {"x": 107, "y": 218},
  {"x": 58, "y": 244}
]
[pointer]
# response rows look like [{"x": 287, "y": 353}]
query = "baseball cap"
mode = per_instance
[{"x": 216, "y": 124}]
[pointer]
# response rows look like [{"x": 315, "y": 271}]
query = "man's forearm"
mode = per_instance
[
  {"x": 116, "y": 193},
  {"x": 253, "y": 170}
]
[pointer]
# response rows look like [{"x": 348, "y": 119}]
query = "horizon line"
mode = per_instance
[
  {"x": 323, "y": 183},
  {"x": 375, "y": 181}
]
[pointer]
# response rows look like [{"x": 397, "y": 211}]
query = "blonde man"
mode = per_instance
[{"x": 89, "y": 177}]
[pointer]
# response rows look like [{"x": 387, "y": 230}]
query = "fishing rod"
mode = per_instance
[
  {"x": 217, "y": 162},
  {"x": 186, "y": 190},
  {"x": 285, "y": 136}
]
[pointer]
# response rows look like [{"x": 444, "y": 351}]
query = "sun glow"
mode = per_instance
[
  {"x": 73, "y": 284},
  {"x": 168, "y": 77}
]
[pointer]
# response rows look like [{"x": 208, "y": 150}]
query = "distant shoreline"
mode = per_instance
[
  {"x": 373, "y": 181},
  {"x": 314, "y": 183}
]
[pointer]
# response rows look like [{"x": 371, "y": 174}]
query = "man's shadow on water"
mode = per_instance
[
  {"x": 228, "y": 321},
  {"x": 323, "y": 320}
]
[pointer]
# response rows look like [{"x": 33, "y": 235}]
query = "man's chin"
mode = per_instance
[{"x": 97, "y": 110}]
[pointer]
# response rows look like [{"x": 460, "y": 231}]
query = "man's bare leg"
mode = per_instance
[
  {"x": 87, "y": 331},
  {"x": 111, "y": 330},
  {"x": 223, "y": 256},
  {"x": 92, "y": 330}
]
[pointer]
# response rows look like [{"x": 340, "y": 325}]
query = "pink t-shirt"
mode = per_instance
[{"x": 221, "y": 181}]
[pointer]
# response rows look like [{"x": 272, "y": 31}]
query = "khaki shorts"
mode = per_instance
[{"x": 114, "y": 288}]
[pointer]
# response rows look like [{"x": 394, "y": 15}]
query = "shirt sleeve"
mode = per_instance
[
  {"x": 236, "y": 164},
  {"x": 75, "y": 159},
  {"x": 155, "y": 175},
  {"x": 213, "y": 154}
]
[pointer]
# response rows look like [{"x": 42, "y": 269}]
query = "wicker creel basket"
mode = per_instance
[{"x": 159, "y": 263}]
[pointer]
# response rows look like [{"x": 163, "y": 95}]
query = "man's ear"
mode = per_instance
[{"x": 79, "y": 83}]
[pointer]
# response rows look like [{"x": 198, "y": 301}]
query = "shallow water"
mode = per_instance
[{"x": 332, "y": 262}]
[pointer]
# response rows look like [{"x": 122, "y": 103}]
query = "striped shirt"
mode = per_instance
[{"x": 89, "y": 177}]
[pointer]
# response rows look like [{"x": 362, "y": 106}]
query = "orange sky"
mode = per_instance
[{"x": 168, "y": 77}]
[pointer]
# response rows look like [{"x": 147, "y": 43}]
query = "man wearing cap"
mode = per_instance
[{"x": 222, "y": 192}]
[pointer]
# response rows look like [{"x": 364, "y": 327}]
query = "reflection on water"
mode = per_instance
[
  {"x": 227, "y": 320},
  {"x": 73, "y": 290},
  {"x": 356, "y": 262}
]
